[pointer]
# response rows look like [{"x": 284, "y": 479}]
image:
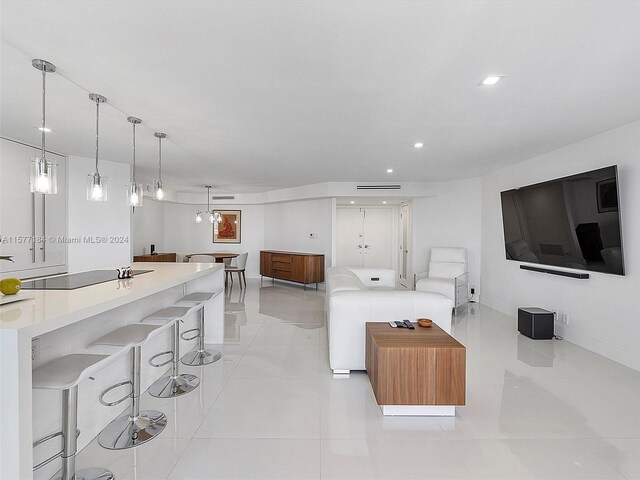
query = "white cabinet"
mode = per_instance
[{"x": 33, "y": 226}]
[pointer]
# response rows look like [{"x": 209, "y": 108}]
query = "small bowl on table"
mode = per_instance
[{"x": 425, "y": 322}]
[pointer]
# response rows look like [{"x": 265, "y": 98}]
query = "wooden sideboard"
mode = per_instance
[
  {"x": 160, "y": 257},
  {"x": 293, "y": 266}
]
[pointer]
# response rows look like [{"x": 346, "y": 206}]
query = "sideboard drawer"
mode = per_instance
[
  {"x": 281, "y": 258},
  {"x": 282, "y": 274},
  {"x": 281, "y": 266}
]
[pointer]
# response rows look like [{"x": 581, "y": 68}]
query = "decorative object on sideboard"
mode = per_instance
[
  {"x": 229, "y": 228},
  {"x": 135, "y": 191},
  {"x": 158, "y": 192},
  {"x": 214, "y": 217},
  {"x": 43, "y": 172},
  {"x": 96, "y": 183}
]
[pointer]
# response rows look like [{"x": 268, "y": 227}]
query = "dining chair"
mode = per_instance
[{"x": 237, "y": 265}]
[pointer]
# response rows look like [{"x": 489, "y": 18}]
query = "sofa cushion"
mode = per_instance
[{"x": 339, "y": 283}]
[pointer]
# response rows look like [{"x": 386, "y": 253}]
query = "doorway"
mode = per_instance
[
  {"x": 364, "y": 237},
  {"x": 403, "y": 267}
]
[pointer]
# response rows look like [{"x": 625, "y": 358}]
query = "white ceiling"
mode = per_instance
[{"x": 262, "y": 95}]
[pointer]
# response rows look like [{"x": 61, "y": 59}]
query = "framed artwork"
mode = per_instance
[
  {"x": 607, "y": 192},
  {"x": 230, "y": 228}
]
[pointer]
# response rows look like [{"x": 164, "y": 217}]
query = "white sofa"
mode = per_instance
[{"x": 356, "y": 296}]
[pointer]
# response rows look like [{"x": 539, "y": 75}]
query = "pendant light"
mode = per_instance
[
  {"x": 135, "y": 191},
  {"x": 213, "y": 217},
  {"x": 158, "y": 192},
  {"x": 96, "y": 183},
  {"x": 43, "y": 178}
]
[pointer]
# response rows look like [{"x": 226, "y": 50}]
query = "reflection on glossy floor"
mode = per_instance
[{"x": 272, "y": 410}]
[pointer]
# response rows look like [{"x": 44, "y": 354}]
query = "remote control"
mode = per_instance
[
  {"x": 393, "y": 324},
  {"x": 409, "y": 325},
  {"x": 400, "y": 324}
]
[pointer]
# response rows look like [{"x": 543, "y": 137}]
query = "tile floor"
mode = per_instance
[{"x": 271, "y": 409}]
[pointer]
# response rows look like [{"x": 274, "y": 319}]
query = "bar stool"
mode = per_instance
[
  {"x": 176, "y": 383},
  {"x": 136, "y": 427},
  {"x": 200, "y": 356},
  {"x": 65, "y": 373}
]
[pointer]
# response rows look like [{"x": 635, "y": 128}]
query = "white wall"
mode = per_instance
[
  {"x": 149, "y": 227},
  {"x": 602, "y": 310},
  {"x": 183, "y": 235},
  {"x": 452, "y": 218},
  {"x": 110, "y": 219},
  {"x": 288, "y": 225}
]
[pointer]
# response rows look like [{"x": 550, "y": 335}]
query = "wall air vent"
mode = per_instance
[
  {"x": 223, "y": 197},
  {"x": 379, "y": 187}
]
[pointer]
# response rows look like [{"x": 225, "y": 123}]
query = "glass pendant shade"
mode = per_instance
[
  {"x": 212, "y": 217},
  {"x": 198, "y": 217},
  {"x": 44, "y": 176},
  {"x": 158, "y": 192},
  {"x": 97, "y": 187},
  {"x": 135, "y": 194}
]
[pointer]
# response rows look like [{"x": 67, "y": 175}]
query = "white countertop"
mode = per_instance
[{"x": 53, "y": 309}]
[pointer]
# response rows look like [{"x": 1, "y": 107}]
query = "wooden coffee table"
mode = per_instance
[{"x": 415, "y": 372}]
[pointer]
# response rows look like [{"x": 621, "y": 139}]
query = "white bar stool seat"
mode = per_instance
[
  {"x": 65, "y": 373},
  {"x": 176, "y": 383},
  {"x": 136, "y": 427},
  {"x": 200, "y": 356}
]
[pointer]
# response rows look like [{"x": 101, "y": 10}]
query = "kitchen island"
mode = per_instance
[{"x": 60, "y": 322}]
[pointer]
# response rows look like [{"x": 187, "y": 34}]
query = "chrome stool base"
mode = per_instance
[
  {"x": 127, "y": 432},
  {"x": 198, "y": 358},
  {"x": 167, "y": 387},
  {"x": 92, "y": 474}
]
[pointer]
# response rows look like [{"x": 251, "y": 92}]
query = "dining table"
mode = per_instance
[{"x": 220, "y": 257}]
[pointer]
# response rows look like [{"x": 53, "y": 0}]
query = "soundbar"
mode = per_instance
[{"x": 550, "y": 271}]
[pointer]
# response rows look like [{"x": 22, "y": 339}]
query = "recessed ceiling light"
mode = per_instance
[
  {"x": 491, "y": 80},
  {"x": 352, "y": 202},
  {"x": 384, "y": 201},
  {"x": 45, "y": 129},
  {"x": 418, "y": 145},
  {"x": 389, "y": 170}
]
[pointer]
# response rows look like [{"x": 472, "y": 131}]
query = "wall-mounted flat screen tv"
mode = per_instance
[{"x": 571, "y": 222}]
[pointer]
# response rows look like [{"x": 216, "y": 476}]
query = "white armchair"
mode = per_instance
[{"x": 447, "y": 275}]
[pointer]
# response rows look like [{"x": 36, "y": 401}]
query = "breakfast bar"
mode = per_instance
[{"x": 50, "y": 324}]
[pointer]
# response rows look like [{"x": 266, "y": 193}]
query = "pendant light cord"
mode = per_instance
[
  {"x": 44, "y": 76},
  {"x": 160, "y": 159},
  {"x": 134, "y": 154},
  {"x": 97, "y": 129}
]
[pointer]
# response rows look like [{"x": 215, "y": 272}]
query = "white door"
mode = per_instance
[
  {"x": 349, "y": 224},
  {"x": 364, "y": 237},
  {"x": 404, "y": 246},
  {"x": 378, "y": 224}
]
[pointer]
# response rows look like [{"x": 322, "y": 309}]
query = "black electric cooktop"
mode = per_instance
[{"x": 75, "y": 280}]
